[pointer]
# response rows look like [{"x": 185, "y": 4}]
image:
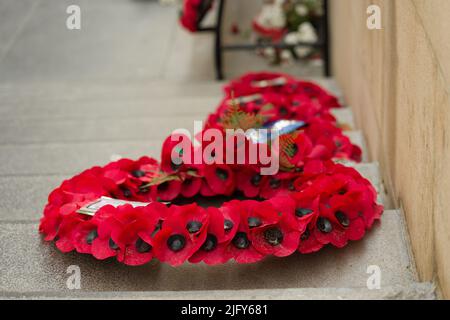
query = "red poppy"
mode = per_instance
[
  {"x": 281, "y": 238},
  {"x": 66, "y": 231},
  {"x": 219, "y": 178},
  {"x": 182, "y": 234},
  {"x": 221, "y": 228},
  {"x": 126, "y": 232},
  {"x": 249, "y": 181},
  {"x": 177, "y": 150},
  {"x": 168, "y": 190},
  {"x": 324, "y": 98},
  {"x": 278, "y": 184},
  {"x": 191, "y": 186},
  {"x": 254, "y": 215},
  {"x": 191, "y": 12}
]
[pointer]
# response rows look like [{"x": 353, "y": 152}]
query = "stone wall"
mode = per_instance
[{"x": 397, "y": 81}]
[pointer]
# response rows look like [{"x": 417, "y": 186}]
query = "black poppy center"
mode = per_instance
[
  {"x": 241, "y": 241},
  {"x": 112, "y": 244},
  {"x": 142, "y": 246},
  {"x": 324, "y": 225},
  {"x": 305, "y": 235},
  {"x": 228, "y": 225},
  {"x": 210, "y": 243},
  {"x": 126, "y": 192},
  {"x": 143, "y": 189},
  {"x": 222, "y": 174},
  {"x": 91, "y": 236},
  {"x": 256, "y": 179},
  {"x": 342, "y": 218},
  {"x": 193, "y": 226},
  {"x": 163, "y": 186},
  {"x": 175, "y": 166},
  {"x": 273, "y": 236},
  {"x": 283, "y": 111},
  {"x": 138, "y": 173},
  {"x": 254, "y": 222},
  {"x": 176, "y": 242},
  {"x": 301, "y": 212},
  {"x": 275, "y": 183}
]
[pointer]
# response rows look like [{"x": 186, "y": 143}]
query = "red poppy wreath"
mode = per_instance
[
  {"x": 192, "y": 12},
  {"x": 136, "y": 210}
]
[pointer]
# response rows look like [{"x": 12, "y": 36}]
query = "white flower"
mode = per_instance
[
  {"x": 291, "y": 38},
  {"x": 271, "y": 17},
  {"x": 301, "y": 10},
  {"x": 286, "y": 55},
  {"x": 307, "y": 33},
  {"x": 269, "y": 52}
]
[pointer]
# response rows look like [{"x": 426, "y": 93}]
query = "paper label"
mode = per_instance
[
  {"x": 91, "y": 208},
  {"x": 280, "y": 81},
  {"x": 244, "y": 99}
]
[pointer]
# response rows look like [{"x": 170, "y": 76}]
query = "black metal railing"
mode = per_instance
[{"x": 322, "y": 44}]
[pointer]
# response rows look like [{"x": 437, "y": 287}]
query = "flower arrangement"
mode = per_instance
[
  {"x": 310, "y": 203},
  {"x": 291, "y": 22}
]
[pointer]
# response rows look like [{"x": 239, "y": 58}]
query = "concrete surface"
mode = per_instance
[
  {"x": 29, "y": 265},
  {"x": 73, "y": 99}
]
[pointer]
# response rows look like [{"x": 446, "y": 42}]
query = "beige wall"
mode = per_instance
[{"x": 397, "y": 80}]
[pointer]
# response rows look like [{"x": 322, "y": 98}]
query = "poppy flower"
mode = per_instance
[
  {"x": 126, "y": 232},
  {"x": 278, "y": 184},
  {"x": 222, "y": 226},
  {"x": 254, "y": 215},
  {"x": 177, "y": 150},
  {"x": 249, "y": 181},
  {"x": 168, "y": 190},
  {"x": 219, "y": 178},
  {"x": 190, "y": 14},
  {"x": 281, "y": 238},
  {"x": 324, "y": 98},
  {"x": 66, "y": 231},
  {"x": 345, "y": 205},
  {"x": 222, "y": 229},
  {"x": 300, "y": 150},
  {"x": 182, "y": 234},
  {"x": 191, "y": 186}
]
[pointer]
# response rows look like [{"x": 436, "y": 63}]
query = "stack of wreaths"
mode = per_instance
[{"x": 311, "y": 202}]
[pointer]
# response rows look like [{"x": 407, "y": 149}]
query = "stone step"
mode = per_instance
[
  {"x": 107, "y": 128},
  {"x": 91, "y": 109},
  {"x": 105, "y": 109},
  {"x": 24, "y": 197},
  {"x": 344, "y": 117},
  {"x": 67, "y": 158},
  {"x": 415, "y": 291},
  {"x": 32, "y": 266},
  {"x": 104, "y": 91}
]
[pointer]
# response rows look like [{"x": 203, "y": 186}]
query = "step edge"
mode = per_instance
[{"x": 413, "y": 291}]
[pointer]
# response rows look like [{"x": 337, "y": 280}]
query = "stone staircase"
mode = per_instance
[{"x": 49, "y": 132}]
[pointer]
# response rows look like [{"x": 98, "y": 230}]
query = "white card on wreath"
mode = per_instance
[{"x": 91, "y": 208}]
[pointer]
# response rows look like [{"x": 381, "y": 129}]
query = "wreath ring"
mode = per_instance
[{"x": 133, "y": 209}]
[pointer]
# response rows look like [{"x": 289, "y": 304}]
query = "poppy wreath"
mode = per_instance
[
  {"x": 310, "y": 203},
  {"x": 192, "y": 11}
]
